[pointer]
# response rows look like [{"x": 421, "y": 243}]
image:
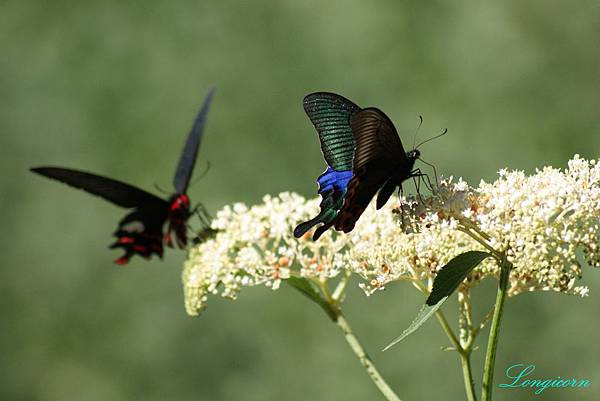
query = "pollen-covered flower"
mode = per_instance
[{"x": 539, "y": 222}]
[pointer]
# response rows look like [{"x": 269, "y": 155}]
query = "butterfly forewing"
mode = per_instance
[
  {"x": 376, "y": 139},
  {"x": 330, "y": 114},
  {"x": 378, "y": 157},
  {"x": 183, "y": 174},
  {"x": 114, "y": 191}
]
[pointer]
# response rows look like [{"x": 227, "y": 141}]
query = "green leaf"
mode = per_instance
[
  {"x": 450, "y": 276},
  {"x": 308, "y": 289},
  {"x": 424, "y": 314},
  {"x": 446, "y": 281}
]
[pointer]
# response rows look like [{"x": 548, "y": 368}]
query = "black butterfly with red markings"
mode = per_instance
[{"x": 141, "y": 230}]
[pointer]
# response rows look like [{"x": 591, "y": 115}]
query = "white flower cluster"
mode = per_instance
[
  {"x": 256, "y": 246},
  {"x": 540, "y": 222}
]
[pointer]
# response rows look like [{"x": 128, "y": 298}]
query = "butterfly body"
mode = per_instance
[
  {"x": 140, "y": 232},
  {"x": 179, "y": 213},
  {"x": 369, "y": 154}
]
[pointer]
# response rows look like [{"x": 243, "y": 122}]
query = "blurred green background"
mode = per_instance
[{"x": 112, "y": 87}]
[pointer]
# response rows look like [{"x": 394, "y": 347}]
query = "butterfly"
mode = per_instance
[
  {"x": 140, "y": 232},
  {"x": 364, "y": 156}
]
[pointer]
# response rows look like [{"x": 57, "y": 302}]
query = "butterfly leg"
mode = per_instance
[
  {"x": 428, "y": 182},
  {"x": 401, "y": 198},
  {"x": 434, "y": 173},
  {"x": 417, "y": 173},
  {"x": 202, "y": 214},
  {"x": 205, "y": 219},
  {"x": 416, "y": 176}
]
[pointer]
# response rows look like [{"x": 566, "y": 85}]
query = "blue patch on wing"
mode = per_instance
[{"x": 334, "y": 180}]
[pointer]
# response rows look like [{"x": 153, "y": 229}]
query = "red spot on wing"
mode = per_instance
[
  {"x": 123, "y": 260},
  {"x": 126, "y": 240}
]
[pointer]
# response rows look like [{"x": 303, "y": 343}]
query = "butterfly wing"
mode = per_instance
[
  {"x": 332, "y": 188},
  {"x": 330, "y": 114},
  {"x": 187, "y": 160},
  {"x": 114, "y": 191},
  {"x": 362, "y": 187},
  {"x": 140, "y": 231},
  {"x": 377, "y": 155},
  {"x": 376, "y": 139}
]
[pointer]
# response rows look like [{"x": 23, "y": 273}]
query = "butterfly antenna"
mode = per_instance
[
  {"x": 417, "y": 131},
  {"x": 201, "y": 175},
  {"x": 431, "y": 139},
  {"x": 159, "y": 189}
]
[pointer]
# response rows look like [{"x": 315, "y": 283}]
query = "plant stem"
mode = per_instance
[
  {"x": 331, "y": 305},
  {"x": 490, "y": 356},
  {"x": 467, "y": 337},
  {"x": 448, "y": 330},
  {"x": 465, "y": 357},
  {"x": 465, "y": 361},
  {"x": 476, "y": 237},
  {"x": 464, "y": 353},
  {"x": 341, "y": 287},
  {"x": 364, "y": 359}
]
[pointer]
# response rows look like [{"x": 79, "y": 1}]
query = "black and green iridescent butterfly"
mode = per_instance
[{"x": 364, "y": 155}]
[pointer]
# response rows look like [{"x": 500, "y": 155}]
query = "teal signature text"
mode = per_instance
[{"x": 520, "y": 374}]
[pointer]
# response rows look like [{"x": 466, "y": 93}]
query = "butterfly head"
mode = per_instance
[
  {"x": 413, "y": 154},
  {"x": 179, "y": 204}
]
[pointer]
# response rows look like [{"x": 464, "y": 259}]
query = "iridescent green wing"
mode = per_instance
[{"x": 331, "y": 114}]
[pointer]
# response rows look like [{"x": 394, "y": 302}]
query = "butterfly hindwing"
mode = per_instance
[
  {"x": 332, "y": 188},
  {"x": 187, "y": 160},
  {"x": 386, "y": 192},
  {"x": 140, "y": 231},
  {"x": 365, "y": 183}
]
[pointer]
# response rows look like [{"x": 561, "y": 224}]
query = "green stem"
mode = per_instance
[
  {"x": 465, "y": 361},
  {"x": 364, "y": 359},
  {"x": 331, "y": 304},
  {"x": 467, "y": 336},
  {"x": 341, "y": 287},
  {"x": 478, "y": 239},
  {"x": 490, "y": 357},
  {"x": 464, "y": 353},
  {"x": 448, "y": 330},
  {"x": 465, "y": 357}
]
